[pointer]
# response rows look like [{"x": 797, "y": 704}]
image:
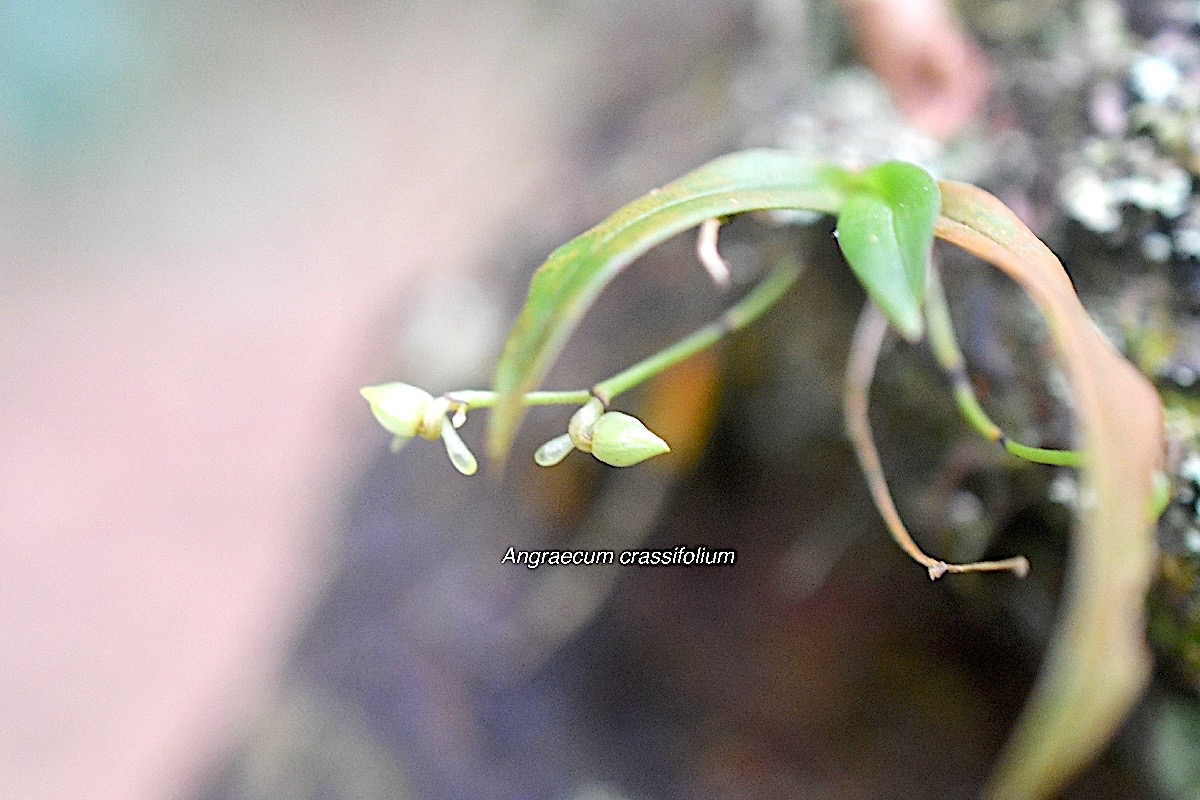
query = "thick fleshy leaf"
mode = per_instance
[
  {"x": 916, "y": 202},
  {"x": 885, "y": 230},
  {"x": 568, "y": 283},
  {"x": 867, "y": 236},
  {"x": 1098, "y": 662}
]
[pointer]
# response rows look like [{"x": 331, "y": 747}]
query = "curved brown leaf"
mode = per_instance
[{"x": 1098, "y": 663}]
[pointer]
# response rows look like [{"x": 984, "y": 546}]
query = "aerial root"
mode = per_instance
[
  {"x": 869, "y": 335},
  {"x": 709, "y": 255}
]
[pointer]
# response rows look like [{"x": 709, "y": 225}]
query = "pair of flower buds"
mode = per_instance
[{"x": 612, "y": 437}]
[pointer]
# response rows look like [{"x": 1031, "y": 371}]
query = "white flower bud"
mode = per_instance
[
  {"x": 622, "y": 441},
  {"x": 554, "y": 450},
  {"x": 461, "y": 457},
  {"x": 399, "y": 407},
  {"x": 406, "y": 411},
  {"x": 582, "y": 422},
  {"x": 433, "y": 421}
]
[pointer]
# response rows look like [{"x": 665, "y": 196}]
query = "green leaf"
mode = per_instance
[
  {"x": 885, "y": 230},
  {"x": 568, "y": 283}
]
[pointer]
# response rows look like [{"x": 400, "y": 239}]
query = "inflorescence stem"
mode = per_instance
[
  {"x": 950, "y": 358},
  {"x": 738, "y": 316}
]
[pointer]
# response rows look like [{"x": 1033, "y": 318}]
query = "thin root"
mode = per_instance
[
  {"x": 865, "y": 347},
  {"x": 709, "y": 255}
]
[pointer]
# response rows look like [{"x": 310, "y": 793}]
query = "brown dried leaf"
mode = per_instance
[{"x": 1098, "y": 662}]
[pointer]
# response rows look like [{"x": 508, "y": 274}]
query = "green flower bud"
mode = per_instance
[
  {"x": 399, "y": 407},
  {"x": 406, "y": 411},
  {"x": 622, "y": 441}
]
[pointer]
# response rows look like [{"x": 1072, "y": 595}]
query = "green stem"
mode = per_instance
[
  {"x": 741, "y": 314},
  {"x": 470, "y": 399},
  {"x": 946, "y": 350},
  {"x": 738, "y": 316},
  {"x": 1039, "y": 455}
]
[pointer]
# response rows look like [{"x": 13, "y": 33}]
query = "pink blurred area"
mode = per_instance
[
  {"x": 202, "y": 243},
  {"x": 209, "y": 215}
]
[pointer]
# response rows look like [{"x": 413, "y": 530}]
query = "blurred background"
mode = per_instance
[{"x": 219, "y": 220}]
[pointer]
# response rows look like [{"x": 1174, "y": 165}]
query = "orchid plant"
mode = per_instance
[{"x": 887, "y": 217}]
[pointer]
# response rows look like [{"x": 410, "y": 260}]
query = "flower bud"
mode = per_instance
[
  {"x": 622, "y": 441},
  {"x": 461, "y": 457},
  {"x": 433, "y": 421},
  {"x": 554, "y": 451},
  {"x": 582, "y": 422},
  {"x": 399, "y": 407}
]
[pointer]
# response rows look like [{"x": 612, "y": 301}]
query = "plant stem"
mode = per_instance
[
  {"x": 949, "y": 356},
  {"x": 741, "y": 314},
  {"x": 738, "y": 316},
  {"x": 485, "y": 398}
]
